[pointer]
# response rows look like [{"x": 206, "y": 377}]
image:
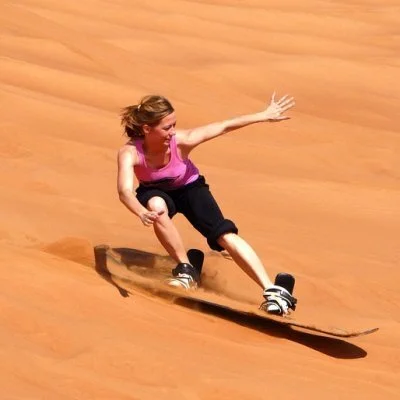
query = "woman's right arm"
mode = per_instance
[
  {"x": 125, "y": 181},
  {"x": 125, "y": 184}
]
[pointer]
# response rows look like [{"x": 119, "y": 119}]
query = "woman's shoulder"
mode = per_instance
[{"x": 128, "y": 153}]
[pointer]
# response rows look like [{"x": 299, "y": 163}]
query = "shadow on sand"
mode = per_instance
[{"x": 119, "y": 262}]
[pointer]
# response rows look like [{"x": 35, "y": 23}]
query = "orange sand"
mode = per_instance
[{"x": 317, "y": 195}]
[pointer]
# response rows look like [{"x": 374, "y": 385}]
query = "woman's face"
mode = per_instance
[{"x": 163, "y": 131}]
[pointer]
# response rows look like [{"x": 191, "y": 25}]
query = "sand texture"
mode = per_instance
[{"x": 317, "y": 195}]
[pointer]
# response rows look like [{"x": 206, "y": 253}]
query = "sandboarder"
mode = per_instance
[{"x": 169, "y": 182}]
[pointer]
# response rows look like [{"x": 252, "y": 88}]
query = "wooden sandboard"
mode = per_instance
[{"x": 147, "y": 272}]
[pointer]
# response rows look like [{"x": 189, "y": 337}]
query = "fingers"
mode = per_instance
[
  {"x": 286, "y": 100},
  {"x": 283, "y": 104},
  {"x": 153, "y": 215},
  {"x": 288, "y": 106},
  {"x": 275, "y": 110},
  {"x": 150, "y": 217},
  {"x": 282, "y": 99}
]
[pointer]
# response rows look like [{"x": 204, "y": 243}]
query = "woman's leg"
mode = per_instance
[
  {"x": 166, "y": 231},
  {"x": 245, "y": 257},
  {"x": 203, "y": 212}
]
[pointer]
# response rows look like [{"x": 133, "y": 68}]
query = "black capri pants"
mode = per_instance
[{"x": 197, "y": 204}]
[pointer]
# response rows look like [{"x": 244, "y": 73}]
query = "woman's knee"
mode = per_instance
[
  {"x": 226, "y": 239},
  {"x": 157, "y": 204},
  {"x": 219, "y": 237}
]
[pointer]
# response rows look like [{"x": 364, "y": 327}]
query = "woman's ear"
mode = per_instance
[{"x": 146, "y": 129}]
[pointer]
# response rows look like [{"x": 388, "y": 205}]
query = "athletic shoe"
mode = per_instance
[
  {"x": 185, "y": 277},
  {"x": 279, "y": 301}
]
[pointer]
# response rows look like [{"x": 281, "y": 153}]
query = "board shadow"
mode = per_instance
[
  {"x": 148, "y": 264},
  {"x": 100, "y": 266},
  {"x": 333, "y": 347}
]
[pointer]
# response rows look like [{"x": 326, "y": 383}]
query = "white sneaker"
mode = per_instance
[
  {"x": 185, "y": 277},
  {"x": 278, "y": 301},
  {"x": 183, "y": 281}
]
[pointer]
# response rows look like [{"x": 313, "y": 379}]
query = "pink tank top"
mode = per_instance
[{"x": 174, "y": 175}]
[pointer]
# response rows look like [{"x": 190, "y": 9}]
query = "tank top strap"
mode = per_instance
[
  {"x": 140, "y": 152},
  {"x": 174, "y": 149}
]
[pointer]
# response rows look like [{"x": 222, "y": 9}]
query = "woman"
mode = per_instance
[{"x": 158, "y": 155}]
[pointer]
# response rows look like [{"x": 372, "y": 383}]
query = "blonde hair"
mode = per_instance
[{"x": 150, "y": 111}]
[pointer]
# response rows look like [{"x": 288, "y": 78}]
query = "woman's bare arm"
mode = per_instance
[
  {"x": 125, "y": 184},
  {"x": 125, "y": 180},
  {"x": 273, "y": 113}
]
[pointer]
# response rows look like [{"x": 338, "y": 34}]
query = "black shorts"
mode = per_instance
[{"x": 197, "y": 204}]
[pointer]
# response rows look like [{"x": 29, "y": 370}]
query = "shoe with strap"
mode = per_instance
[
  {"x": 278, "y": 301},
  {"x": 185, "y": 276}
]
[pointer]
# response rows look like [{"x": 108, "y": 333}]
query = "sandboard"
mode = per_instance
[{"x": 148, "y": 272}]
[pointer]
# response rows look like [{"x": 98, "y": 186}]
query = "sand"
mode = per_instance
[{"x": 317, "y": 195}]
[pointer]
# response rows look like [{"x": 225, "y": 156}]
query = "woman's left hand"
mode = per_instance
[{"x": 276, "y": 108}]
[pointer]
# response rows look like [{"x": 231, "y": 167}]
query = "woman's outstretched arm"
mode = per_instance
[{"x": 273, "y": 113}]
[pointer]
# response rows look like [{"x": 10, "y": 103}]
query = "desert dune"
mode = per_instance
[{"x": 317, "y": 195}]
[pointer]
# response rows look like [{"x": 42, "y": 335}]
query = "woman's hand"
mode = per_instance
[
  {"x": 276, "y": 108},
  {"x": 149, "y": 217},
  {"x": 189, "y": 139}
]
